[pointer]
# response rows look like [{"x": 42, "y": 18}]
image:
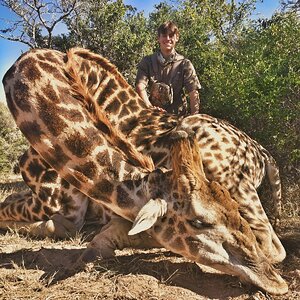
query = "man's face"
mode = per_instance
[{"x": 167, "y": 41}]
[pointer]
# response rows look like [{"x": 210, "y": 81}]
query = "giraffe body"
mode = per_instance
[{"x": 59, "y": 103}]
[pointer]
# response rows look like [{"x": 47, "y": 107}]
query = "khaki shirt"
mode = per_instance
[{"x": 177, "y": 72}]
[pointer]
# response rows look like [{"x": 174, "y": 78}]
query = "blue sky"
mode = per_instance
[{"x": 10, "y": 51}]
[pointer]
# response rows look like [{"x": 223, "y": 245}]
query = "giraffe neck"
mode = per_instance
[
  {"x": 62, "y": 131},
  {"x": 107, "y": 86}
]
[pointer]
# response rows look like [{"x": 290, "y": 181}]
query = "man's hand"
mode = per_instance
[{"x": 159, "y": 108}]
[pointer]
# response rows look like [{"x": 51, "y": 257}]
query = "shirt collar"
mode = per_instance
[{"x": 165, "y": 61}]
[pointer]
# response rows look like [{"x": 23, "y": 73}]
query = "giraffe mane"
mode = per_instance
[
  {"x": 102, "y": 61},
  {"x": 186, "y": 158},
  {"x": 81, "y": 92}
]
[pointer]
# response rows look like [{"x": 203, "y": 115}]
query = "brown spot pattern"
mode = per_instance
[
  {"x": 181, "y": 227},
  {"x": 114, "y": 106},
  {"x": 89, "y": 169},
  {"x": 123, "y": 199},
  {"x": 35, "y": 169},
  {"x": 79, "y": 145},
  {"x": 168, "y": 233},
  {"x": 103, "y": 158},
  {"x": 56, "y": 157},
  {"x": 29, "y": 68},
  {"x": 103, "y": 187},
  {"x": 50, "y": 93},
  {"x": 21, "y": 96},
  {"x": 50, "y": 116},
  {"x": 32, "y": 131},
  {"x": 54, "y": 71}
]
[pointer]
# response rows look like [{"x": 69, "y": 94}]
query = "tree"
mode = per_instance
[
  {"x": 256, "y": 85},
  {"x": 36, "y": 20},
  {"x": 290, "y": 5},
  {"x": 113, "y": 30}
]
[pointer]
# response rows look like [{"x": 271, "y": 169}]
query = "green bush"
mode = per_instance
[
  {"x": 12, "y": 141},
  {"x": 255, "y": 84}
]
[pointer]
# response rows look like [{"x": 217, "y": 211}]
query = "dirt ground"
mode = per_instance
[{"x": 36, "y": 269}]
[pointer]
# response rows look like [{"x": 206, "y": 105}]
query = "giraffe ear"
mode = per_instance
[{"x": 148, "y": 215}]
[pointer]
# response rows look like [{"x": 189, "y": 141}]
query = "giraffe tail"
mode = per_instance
[{"x": 272, "y": 172}]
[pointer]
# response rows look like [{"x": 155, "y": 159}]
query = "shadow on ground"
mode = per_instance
[{"x": 164, "y": 266}]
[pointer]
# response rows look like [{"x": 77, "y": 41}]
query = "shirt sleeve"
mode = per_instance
[
  {"x": 143, "y": 74},
  {"x": 190, "y": 79}
]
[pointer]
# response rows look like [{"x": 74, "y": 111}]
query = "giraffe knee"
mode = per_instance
[
  {"x": 62, "y": 222},
  {"x": 113, "y": 236},
  {"x": 59, "y": 227}
]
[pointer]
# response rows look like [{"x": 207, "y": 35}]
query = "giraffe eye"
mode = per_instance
[{"x": 198, "y": 224}]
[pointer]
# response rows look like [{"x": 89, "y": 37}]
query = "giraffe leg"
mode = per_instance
[
  {"x": 252, "y": 210},
  {"x": 57, "y": 227},
  {"x": 19, "y": 212},
  {"x": 17, "y": 196},
  {"x": 113, "y": 236},
  {"x": 52, "y": 208}
]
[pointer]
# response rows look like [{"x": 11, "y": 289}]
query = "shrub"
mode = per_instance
[{"x": 12, "y": 141}]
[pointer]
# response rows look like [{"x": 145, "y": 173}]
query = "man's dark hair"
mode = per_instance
[{"x": 166, "y": 27}]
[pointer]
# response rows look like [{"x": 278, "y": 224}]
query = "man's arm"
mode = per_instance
[
  {"x": 141, "y": 90},
  {"x": 194, "y": 102},
  {"x": 192, "y": 85},
  {"x": 142, "y": 80}
]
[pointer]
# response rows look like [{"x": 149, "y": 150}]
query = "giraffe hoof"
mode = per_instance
[{"x": 59, "y": 227}]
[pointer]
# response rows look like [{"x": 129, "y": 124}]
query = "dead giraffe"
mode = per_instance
[
  {"x": 229, "y": 156},
  {"x": 180, "y": 208}
]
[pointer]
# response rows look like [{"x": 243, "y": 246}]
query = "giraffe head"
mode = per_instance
[{"x": 200, "y": 221}]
